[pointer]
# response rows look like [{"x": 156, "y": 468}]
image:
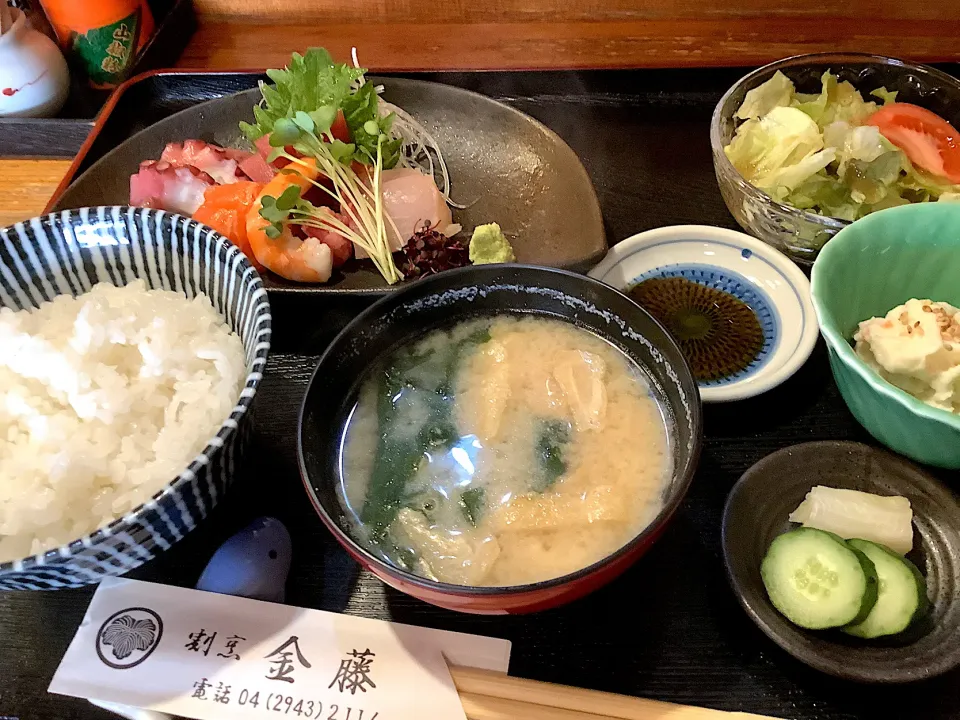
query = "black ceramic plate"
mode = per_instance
[
  {"x": 757, "y": 510},
  {"x": 507, "y": 167}
]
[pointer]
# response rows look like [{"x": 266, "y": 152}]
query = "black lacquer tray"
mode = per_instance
[{"x": 670, "y": 628}]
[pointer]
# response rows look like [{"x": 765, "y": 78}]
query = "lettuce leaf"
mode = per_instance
[
  {"x": 867, "y": 163},
  {"x": 864, "y": 142},
  {"x": 779, "y": 151},
  {"x": 846, "y": 104},
  {"x": 775, "y": 92},
  {"x": 837, "y": 101},
  {"x": 813, "y": 152},
  {"x": 827, "y": 194},
  {"x": 815, "y": 105},
  {"x": 922, "y": 186},
  {"x": 887, "y": 96},
  {"x": 781, "y": 183}
]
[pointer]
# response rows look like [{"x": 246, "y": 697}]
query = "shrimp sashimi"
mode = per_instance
[{"x": 308, "y": 260}]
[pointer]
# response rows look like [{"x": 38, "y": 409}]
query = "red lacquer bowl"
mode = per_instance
[{"x": 487, "y": 290}]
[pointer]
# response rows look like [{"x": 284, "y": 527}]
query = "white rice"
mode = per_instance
[{"x": 104, "y": 399}]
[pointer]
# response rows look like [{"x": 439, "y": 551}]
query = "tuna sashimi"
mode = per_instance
[
  {"x": 256, "y": 168},
  {"x": 340, "y": 247}
]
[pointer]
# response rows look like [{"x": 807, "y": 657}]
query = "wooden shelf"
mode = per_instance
[{"x": 569, "y": 45}]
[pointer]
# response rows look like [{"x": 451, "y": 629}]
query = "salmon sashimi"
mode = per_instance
[{"x": 225, "y": 209}]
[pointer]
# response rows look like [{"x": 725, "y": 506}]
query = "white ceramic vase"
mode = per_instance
[{"x": 34, "y": 80}]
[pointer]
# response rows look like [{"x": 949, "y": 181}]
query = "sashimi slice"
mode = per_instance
[
  {"x": 214, "y": 160},
  {"x": 166, "y": 187},
  {"x": 257, "y": 169},
  {"x": 412, "y": 200}
]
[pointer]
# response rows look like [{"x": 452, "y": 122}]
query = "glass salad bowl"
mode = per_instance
[{"x": 796, "y": 232}]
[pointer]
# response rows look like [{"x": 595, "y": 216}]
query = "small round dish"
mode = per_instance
[
  {"x": 756, "y": 512},
  {"x": 753, "y": 272}
]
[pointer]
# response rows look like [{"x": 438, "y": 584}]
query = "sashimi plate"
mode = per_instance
[{"x": 505, "y": 167}]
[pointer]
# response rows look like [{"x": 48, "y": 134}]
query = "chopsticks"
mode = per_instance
[{"x": 488, "y": 695}]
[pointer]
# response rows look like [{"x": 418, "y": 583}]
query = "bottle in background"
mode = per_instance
[{"x": 101, "y": 38}]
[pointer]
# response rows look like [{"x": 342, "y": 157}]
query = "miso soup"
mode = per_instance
[{"x": 503, "y": 451}]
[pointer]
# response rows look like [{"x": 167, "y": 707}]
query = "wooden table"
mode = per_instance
[{"x": 26, "y": 185}]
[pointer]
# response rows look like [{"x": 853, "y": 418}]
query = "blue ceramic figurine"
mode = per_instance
[{"x": 254, "y": 563}]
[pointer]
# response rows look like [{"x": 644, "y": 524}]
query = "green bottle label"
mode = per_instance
[{"x": 106, "y": 53}]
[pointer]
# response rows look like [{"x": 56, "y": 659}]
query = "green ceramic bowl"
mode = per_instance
[{"x": 866, "y": 270}]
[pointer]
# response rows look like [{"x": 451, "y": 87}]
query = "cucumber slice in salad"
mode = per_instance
[
  {"x": 902, "y": 593},
  {"x": 818, "y": 581}
]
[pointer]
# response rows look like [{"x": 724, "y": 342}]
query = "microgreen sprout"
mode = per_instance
[
  {"x": 306, "y": 100},
  {"x": 359, "y": 199}
]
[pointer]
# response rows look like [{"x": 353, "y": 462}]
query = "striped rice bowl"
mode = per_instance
[{"x": 132, "y": 342}]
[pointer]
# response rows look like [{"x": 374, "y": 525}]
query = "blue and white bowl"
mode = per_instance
[
  {"x": 767, "y": 281},
  {"x": 68, "y": 253}
]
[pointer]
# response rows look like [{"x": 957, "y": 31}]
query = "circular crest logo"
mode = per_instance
[{"x": 129, "y": 637}]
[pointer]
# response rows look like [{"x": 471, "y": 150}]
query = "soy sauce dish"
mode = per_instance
[
  {"x": 500, "y": 439},
  {"x": 739, "y": 310}
]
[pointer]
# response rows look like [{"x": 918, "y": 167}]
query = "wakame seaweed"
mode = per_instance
[
  {"x": 471, "y": 502},
  {"x": 552, "y": 438},
  {"x": 397, "y": 459},
  {"x": 399, "y": 453}
]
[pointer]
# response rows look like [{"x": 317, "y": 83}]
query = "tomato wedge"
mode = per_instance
[
  {"x": 340, "y": 130},
  {"x": 930, "y": 142},
  {"x": 225, "y": 209}
]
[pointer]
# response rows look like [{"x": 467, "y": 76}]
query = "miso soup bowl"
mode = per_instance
[{"x": 478, "y": 291}]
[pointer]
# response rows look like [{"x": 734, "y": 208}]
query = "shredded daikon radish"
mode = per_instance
[
  {"x": 855, "y": 514},
  {"x": 420, "y": 149},
  {"x": 419, "y": 146}
]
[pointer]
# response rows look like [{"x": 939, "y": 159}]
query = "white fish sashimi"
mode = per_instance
[
  {"x": 854, "y": 514},
  {"x": 411, "y": 199}
]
